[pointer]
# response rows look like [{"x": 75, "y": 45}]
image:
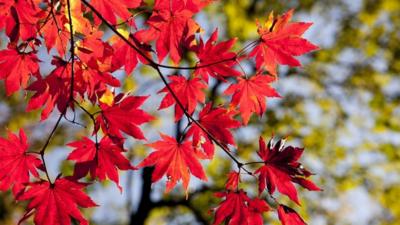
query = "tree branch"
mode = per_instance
[{"x": 157, "y": 66}]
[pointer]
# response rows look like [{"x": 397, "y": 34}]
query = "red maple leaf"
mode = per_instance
[
  {"x": 176, "y": 160},
  {"x": 218, "y": 57},
  {"x": 108, "y": 9},
  {"x": 280, "y": 41},
  {"x": 217, "y": 121},
  {"x": 53, "y": 90},
  {"x": 249, "y": 94},
  {"x": 20, "y": 19},
  {"x": 16, "y": 68},
  {"x": 239, "y": 209},
  {"x": 101, "y": 161},
  {"x": 123, "y": 115},
  {"x": 256, "y": 208},
  {"x": 188, "y": 91},
  {"x": 288, "y": 216},
  {"x": 233, "y": 181},
  {"x": 16, "y": 163},
  {"x": 125, "y": 55},
  {"x": 171, "y": 25},
  {"x": 56, "y": 203},
  {"x": 54, "y": 36},
  {"x": 281, "y": 169}
]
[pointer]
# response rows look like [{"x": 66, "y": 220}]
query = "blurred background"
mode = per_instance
[{"x": 343, "y": 106}]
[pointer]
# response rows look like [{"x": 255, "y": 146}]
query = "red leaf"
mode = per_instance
[
  {"x": 176, "y": 160},
  {"x": 124, "y": 116},
  {"x": 55, "y": 204},
  {"x": 233, "y": 209},
  {"x": 55, "y": 37},
  {"x": 233, "y": 181},
  {"x": 16, "y": 69},
  {"x": 218, "y": 56},
  {"x": 288, "y": 216},
  {"x": 188, "y": 91},
  {"x": 19, "y": 18},
  {"x": 280, "y": 41},
  {"x": 249, "y": 95},
  {"x": 281, "y": 169},
  {"x": 239, "y": 209},
  {"x": 102, "y": 162},
  {"x": 171, "y": 25},
  {"x": 125, "y": 55},
  {"x": 256, "y": 208},
  {"x": 53, "y": 90},
  {"x": 217, "y": 121},
  {"x": 16, "y": 163},
  {"x": 108, "y": 9}
]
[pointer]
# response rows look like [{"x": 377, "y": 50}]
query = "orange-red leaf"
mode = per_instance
[
  {"x": 280, "y": 41},
  {"x": 249, "y": 95},
  {"x": 175, "y": 160}
]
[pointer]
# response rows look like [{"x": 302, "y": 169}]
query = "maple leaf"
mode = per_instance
[
  {"x": 188, "y": 91},
  {"x": 53, "y": 90},
  {"x": 17, "y": 68},
  {"x": 108, "y": 9},
  {"x": 218, "y": 57},
  {"x": 233, "y": 209},
  {"x": 125, "y": 55},
  {"x": 239, "y": 209},
  {"x": 256, "y": 208},
  {"x": 175, "y": 160},
  {"x": 79, "y": 23},
  {"x": 233, "y": 181},
  {"x": 54, "y": 36},
  {"x": 123, "y": 115},
  {"x": 171, "y": 25},
  {"x": 56, "y": 203},
  {"x": 280, "y": 41},
  {"x": 288, "y": 216},
  {"x": 16, "y": 163},
  {"x": 19, "y": 18},
  {"x": 217, "y": 121},
  {"x": 101, "y": 161},
  {"x": 281, "y": 169},
  {"x": 249, "y": 94}
]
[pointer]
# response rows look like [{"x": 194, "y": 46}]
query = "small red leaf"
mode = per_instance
[
  {"x": 188, "y": 91},
  {"x": 288, "y": 216},
  {"x": 175, "y": 160},
  {"x": 249, "y": 95},
  {"x": 16, "y": 163}
]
